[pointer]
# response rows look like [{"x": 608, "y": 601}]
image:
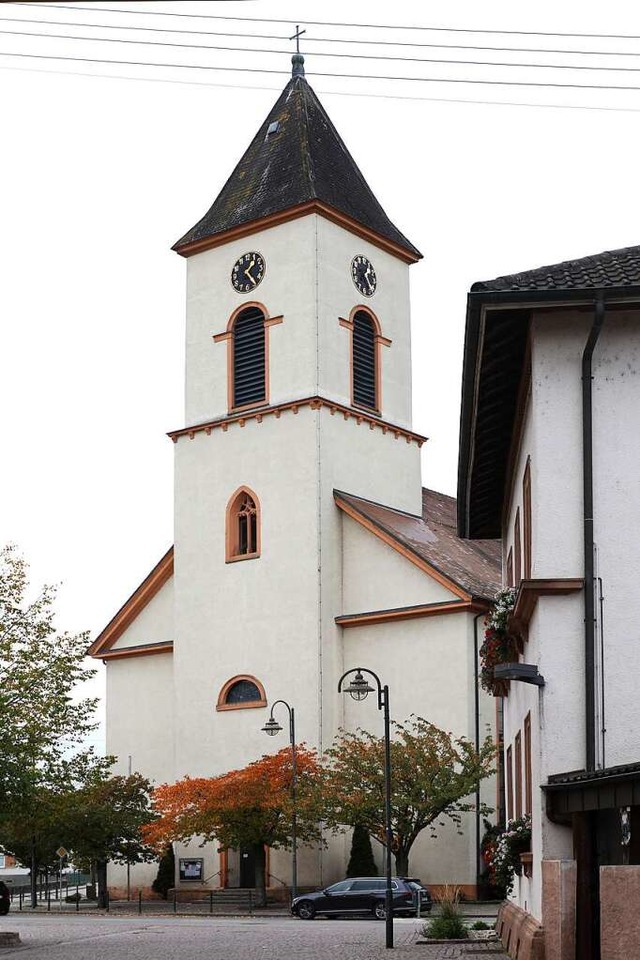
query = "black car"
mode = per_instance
[
  {"x": 5, "y": 898},
  {"x": 363, "y": 895}
]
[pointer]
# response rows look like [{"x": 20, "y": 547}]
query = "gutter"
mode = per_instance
[{"x": 589, "y": 571}]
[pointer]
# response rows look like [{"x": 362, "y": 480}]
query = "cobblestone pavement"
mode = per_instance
[{"x": 70, "y": 937}]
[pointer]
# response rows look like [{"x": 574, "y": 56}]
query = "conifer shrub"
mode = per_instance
[
  {"x": 166, "y": 876},
  {"x": 361, "y": 862}
]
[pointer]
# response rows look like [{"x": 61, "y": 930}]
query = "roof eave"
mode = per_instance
[
  {"x": 408, "y": 253},
  {"x": 478, "y": 301}
]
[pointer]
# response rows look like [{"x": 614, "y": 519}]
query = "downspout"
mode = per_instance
[
  {"x": 476, "y": 686},
  {"x": 589, "y": 584}
]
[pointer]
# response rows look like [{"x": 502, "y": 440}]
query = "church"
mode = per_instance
[{"x": 304, "y": 542}]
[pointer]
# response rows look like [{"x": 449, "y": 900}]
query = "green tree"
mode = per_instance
[
  {"x": 166, "y": 876},
  {"x": 39, "y": 668},
  {"x": 432, "y": 774},
  {"x": 361, "y": 862},
  {"x": 104, "y": 821},
  {"x": 40, "y": 722}
]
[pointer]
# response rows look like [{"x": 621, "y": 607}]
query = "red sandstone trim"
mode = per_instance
[{"x": 315, "y": 403}]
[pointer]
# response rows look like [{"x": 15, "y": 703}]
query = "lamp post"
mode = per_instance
[
  {"x": 271, "y": 728},
  {"x": 359, "y": 688}
]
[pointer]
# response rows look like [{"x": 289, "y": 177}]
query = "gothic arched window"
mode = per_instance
[
  {"x": 249, "y": 358},
  {"x": 241, "y": 692},
  {"x": 243, "y": 526}
]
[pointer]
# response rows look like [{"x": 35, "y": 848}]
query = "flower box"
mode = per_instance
[{"x": 526, "y": 859}]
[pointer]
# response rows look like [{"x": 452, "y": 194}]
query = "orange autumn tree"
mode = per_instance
[{"x": 251, "y": 807}]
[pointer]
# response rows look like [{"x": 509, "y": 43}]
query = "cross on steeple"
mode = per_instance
[{"x": 297, "y": 59}]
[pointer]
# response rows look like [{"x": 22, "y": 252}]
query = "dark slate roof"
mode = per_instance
[
  {"x": 305, "y": 160},
  {"x": 474, "y": 565},
  {"x": 613, "y": 268}
]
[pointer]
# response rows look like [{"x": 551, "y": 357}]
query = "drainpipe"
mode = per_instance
[
  {"x": 476, "y": 685},
  {"x": 589, "y": 572}
]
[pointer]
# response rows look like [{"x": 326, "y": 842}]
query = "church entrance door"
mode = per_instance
[{"x": 247, "y": 867}]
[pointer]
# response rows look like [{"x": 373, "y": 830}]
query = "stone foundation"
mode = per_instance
[
  {"x": 559, "y": 879},
  {"x": 619, "y": 912},
  {"x": 521, "y": 934}
]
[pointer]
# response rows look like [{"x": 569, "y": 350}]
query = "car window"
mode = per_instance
[
  {"x": 340, "y": 887},
  {"x": 368, "y": 885},
  {"x": 394, "y": 885}
]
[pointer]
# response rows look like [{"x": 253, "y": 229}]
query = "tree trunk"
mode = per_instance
[
  {"x": 34, "y": 875},
  {"x": 402, "y": 863},
  {"x": 261, "y": 875},
  {"x": 101, "y": 875}
]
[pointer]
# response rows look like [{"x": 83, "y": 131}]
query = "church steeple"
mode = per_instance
[{"x": 296, "y": 164}]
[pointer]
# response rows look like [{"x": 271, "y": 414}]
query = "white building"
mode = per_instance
[
  {"x": 304, "y": 542},
  {"x": 550, "y": 462}
]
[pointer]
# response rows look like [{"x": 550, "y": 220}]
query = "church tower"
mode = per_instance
[
  {"x": 298, "y": 382},
  {"x": 300, "y": 547}
]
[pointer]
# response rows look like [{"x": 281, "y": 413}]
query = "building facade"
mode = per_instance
[
  {"x": 304, "y": 542},
  {"x": 549, "y": 461}
]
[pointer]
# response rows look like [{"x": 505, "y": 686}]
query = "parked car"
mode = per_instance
[
  {"x": 5, "y": 898},
  {"x": 363, "y": 895}
]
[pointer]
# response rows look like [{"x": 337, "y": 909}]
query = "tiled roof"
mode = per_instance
[
  {"x": 613, "y": 268},
  {"x": 303, "y": 160},
  {"x": 474, "y": 565}
]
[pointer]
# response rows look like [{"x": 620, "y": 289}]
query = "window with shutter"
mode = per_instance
[
  {"x": 249, "y": 355},
  {"x": 364, "y": 361}
]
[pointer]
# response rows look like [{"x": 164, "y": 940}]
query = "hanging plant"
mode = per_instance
[
  {"x": 498, "y": 646},
  {"x": 503, "y": 855}
]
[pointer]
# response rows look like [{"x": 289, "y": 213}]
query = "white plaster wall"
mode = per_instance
[
  {"x": 139, "y": 724},
  {"x": 255, "y": 617},
  {"x": 429, "y": 668},
  {"x": 369, "y": 463},
  {"x": 337, "y": 296},
  {"x": 616, "y": 458},
  {"x": 377, "y": 577},
  {"x": 553, "y": 437},
  {"x": 308, "y": 280},
  {"x": 153, "y": 623},
  {"x": 288, "y": 288}
]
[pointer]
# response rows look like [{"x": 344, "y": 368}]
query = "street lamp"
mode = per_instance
[
  {"x": 271, "y": 728},
  {"x": 359, "y": 688}
]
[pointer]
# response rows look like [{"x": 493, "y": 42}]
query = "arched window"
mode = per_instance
[
  {"x": 249, "y": 358},
  {"x": 243, "y": 526},
  {"x": 364, "y": 361},
  {"x": 241, "y": 693}
]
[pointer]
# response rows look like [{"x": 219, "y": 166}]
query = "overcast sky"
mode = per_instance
[{"x": 103, "y": 167}]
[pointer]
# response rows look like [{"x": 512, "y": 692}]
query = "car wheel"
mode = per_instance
[
  {"x": 306, "y": 910},
  {"x": 380, "y": 911}
]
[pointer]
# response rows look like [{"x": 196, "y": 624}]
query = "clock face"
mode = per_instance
[
  {"x": 363, "y": 275},
  {"x": 248, "y": 271}
]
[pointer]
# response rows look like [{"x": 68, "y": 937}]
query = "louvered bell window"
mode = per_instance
[
  {"x": 249, "y": 379},
  {"x": 364, "y": 361}
]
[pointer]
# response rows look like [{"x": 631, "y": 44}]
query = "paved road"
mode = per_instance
[{"x": 207, "y": 938}]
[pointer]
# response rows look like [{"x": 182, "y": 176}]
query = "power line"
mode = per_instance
[
  {"x": 333, "y": 23},
  {"x": 342, "y": 40},
  {"x": 327, "y": 93},
  {"x": 358, "y": 56},
  {"x": 346, "y": 76}
]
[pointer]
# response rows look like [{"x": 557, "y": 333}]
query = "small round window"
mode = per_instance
[{"x": 240, "y": 691}]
